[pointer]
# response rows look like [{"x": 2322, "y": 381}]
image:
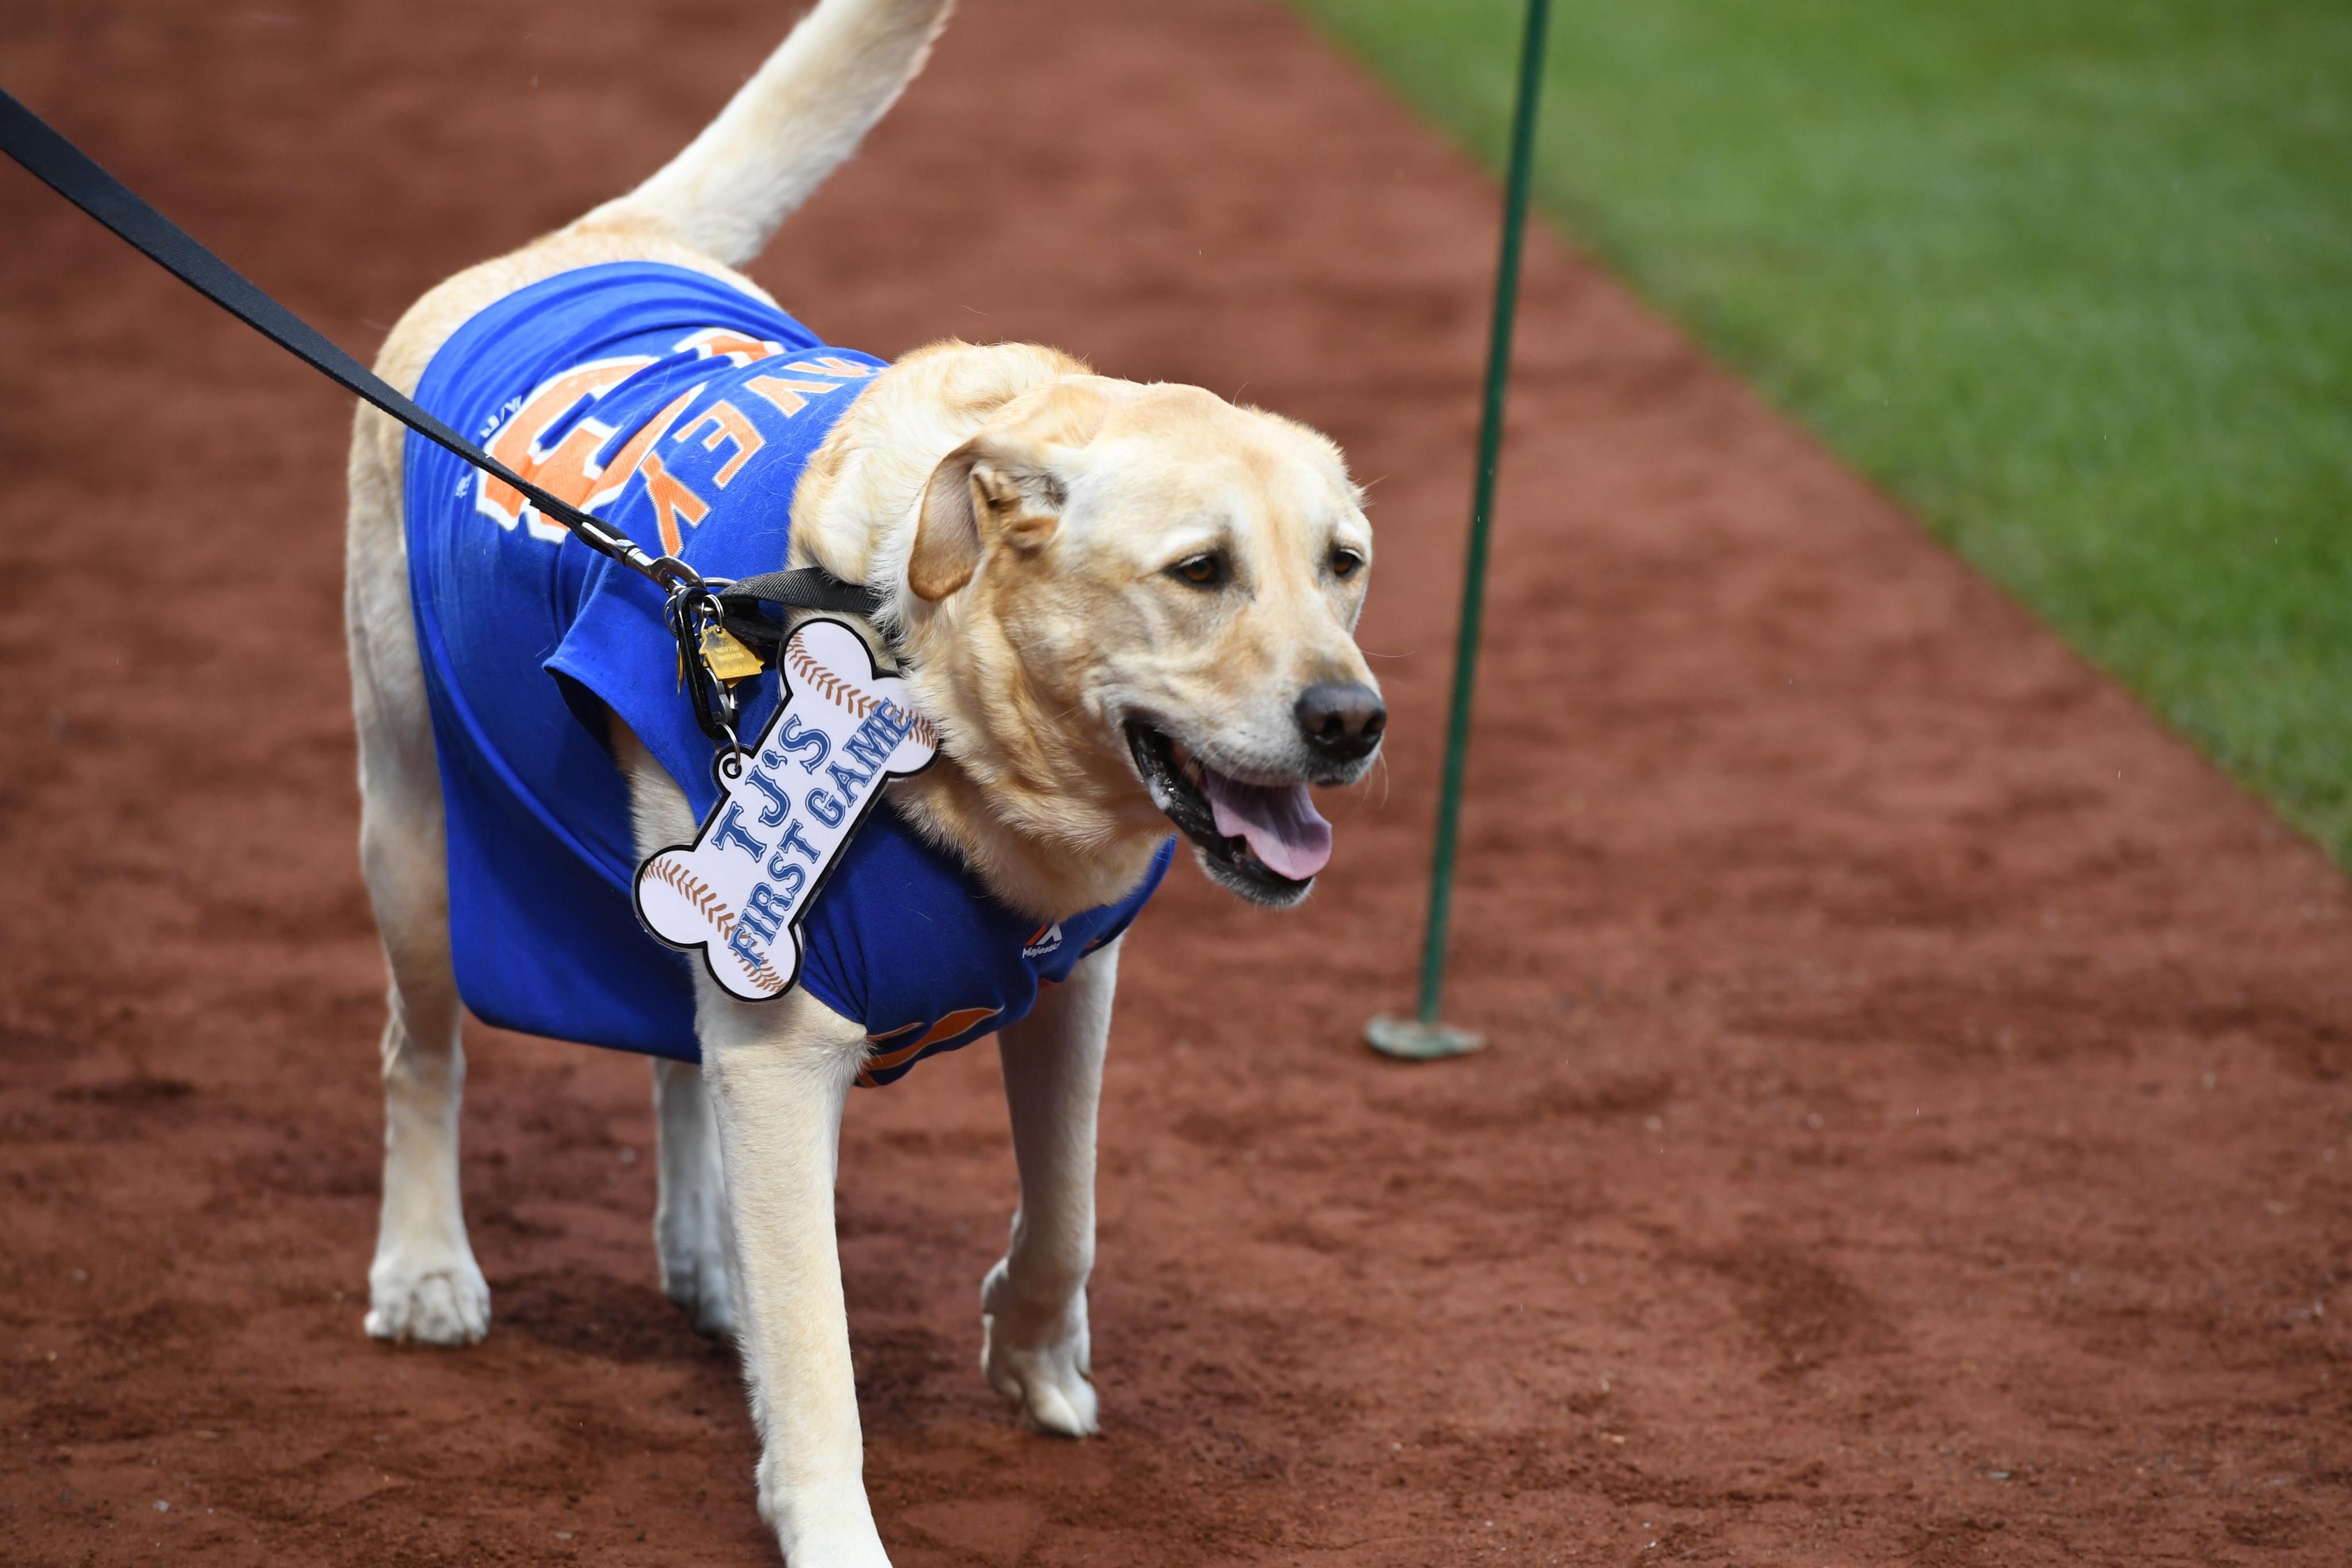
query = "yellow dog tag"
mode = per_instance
[{"x": 727, "y": 655}]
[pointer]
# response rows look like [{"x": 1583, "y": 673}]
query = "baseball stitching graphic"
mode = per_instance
[
  {"x": 842, "y": 695},
  {"x": 738, "y": 893}
]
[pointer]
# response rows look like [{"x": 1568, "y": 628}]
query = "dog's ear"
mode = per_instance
[{"x": 995, "y": 486}]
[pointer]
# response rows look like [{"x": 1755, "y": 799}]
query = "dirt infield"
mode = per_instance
[{"x": 1917, "y": 1129}]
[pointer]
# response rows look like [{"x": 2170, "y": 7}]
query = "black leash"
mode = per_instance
[{"x": 698, "y": 608}]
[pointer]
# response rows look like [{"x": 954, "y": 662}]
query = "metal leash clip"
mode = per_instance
[{"x": 693, "y": 613}]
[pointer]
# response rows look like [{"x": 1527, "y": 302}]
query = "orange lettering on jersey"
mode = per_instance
[
  {"x": 947, "y": 1028},
  {"x": 563, "y": 471},
  {"x": 786, "y": 394},
  {"x": 829, "y": 365},
  {"x": 715, "y": 343},
  {"x": 672, "y": 501},
  {"x": 616, "y": 474},
  {"x": 728, "y": 424}
]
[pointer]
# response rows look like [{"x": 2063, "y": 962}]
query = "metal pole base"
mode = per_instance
[{"x": 1410, "y": 1040}]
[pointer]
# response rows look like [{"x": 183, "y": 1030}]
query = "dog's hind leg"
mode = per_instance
[
  {"x": 423, "y": 1284},
  {"x": 1032, "y": 1305},
  {"x": 693, "y": 1234},
  {"x": 690, "y": 1224}
]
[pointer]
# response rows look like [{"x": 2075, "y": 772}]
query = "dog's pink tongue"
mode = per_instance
[{"x": 1282, "y": 827}]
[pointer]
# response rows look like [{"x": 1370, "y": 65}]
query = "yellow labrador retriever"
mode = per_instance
[{"x": 1121, "y": 605}]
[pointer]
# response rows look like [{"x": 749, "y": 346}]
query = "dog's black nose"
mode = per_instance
[{"x": 1342, "y": 720}]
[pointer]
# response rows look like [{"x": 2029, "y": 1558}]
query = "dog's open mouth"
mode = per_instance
[{"x": 1267, "y": 841}]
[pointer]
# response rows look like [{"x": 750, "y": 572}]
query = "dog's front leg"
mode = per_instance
[
  {"x": 1032, "y": 1305},
  {"x": 778, "y": 1074}
]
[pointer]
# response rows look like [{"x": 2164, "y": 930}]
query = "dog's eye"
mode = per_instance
[
  {"x": 1206, "y": 570},
  {"x": 1345, "y": 561}
]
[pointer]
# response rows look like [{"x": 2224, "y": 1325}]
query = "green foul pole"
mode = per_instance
[{"x": 1425, "y": 1037}]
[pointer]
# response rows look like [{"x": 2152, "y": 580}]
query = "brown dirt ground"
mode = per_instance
[{"x": 1917, "y": 1128}]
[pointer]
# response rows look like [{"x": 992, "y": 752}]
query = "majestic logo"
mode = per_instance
[{"x": 1045, "y": 940}]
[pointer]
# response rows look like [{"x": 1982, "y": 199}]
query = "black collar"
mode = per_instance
[{"x": 742, "y": 602}]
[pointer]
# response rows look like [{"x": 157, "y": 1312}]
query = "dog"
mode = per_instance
[{"x": 1123, "y": 608}]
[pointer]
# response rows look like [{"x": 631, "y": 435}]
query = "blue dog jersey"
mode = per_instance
[{"x": 683, "y": 410}]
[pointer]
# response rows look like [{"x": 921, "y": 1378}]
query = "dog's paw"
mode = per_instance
[
  {"x": 697, "y": 1279},
  {"x": 819, "y": 1526},
  {"x": 844, "y": 1549},
  {"x": 1041, "y": 1363},
  {"x": 445, "y": 1302}
]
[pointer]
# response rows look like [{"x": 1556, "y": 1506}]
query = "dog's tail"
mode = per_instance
[{"x": 801, "y": 114}]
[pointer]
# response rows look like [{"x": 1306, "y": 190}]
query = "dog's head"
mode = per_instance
[{"x": 1153, "y": 595}]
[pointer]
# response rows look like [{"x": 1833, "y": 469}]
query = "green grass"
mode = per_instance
[{"x": 2073, "y": 278}]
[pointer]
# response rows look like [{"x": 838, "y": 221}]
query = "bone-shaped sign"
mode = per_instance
[{"x": 787, "y": 809}]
